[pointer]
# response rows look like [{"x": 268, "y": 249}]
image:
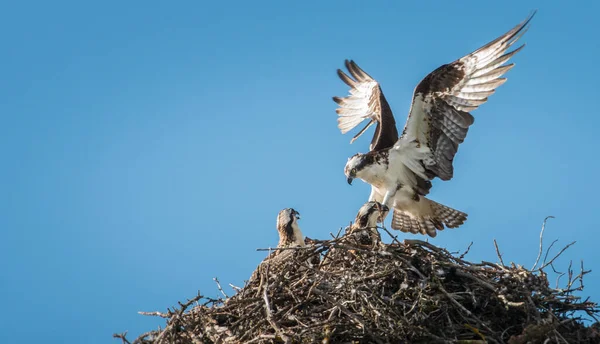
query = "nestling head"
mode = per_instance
[
  {"x": 287, "y": 225},
  {"x": 358, "y": 166},
  {"x": 370, "y": 214}
]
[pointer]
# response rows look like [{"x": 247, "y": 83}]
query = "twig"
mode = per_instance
[
  {"x": 498, "y": 253},
  {"x": 424, "y": 244},
  {"x": 560, "y": 274},
  {"x": 467, "y": 251},
  {"x": 268, "y": 305},
  {"x": 560, "y": 336},
  {"x": 261, "y": 337},
  {"x": 557, "y": 255},
  {"x": 234, "y": 287},
  {"x": 155, "y": 314},
  {"x": 548, "y": 250},
  {"x": 541, "y": 239},
  {"x": 176, "y": 317},
  {"x": 338, "y": 233},
  {"x": 459, "y": 305},
  {"x": 122, "y": 336},
  {"x": 394, "y": 237},
  {"x": 345, "y": 311},
  {"x": 219, "y": 286},
  {"x": 295, "y": 248},
  {"x": 510, "y": 303}
]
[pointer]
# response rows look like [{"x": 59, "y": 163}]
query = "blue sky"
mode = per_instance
[{"x": 147, "y": 147}]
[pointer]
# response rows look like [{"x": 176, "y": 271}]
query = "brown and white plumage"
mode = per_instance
[
  {"x": 438, "y": 122},
  {"x": 290, "y": 236},
  {"x": 288, "y": 228},
  {"x": 364, "y": 228},
  {"x": 439, "y": 116},
  {"x": 431, "y": 217},
  {"x": 366, "y": 101}
]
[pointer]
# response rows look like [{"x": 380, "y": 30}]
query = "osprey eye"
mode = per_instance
[{"x": 353, "y": 171}]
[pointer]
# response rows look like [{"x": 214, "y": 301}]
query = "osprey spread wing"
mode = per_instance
[{"x": 400, "y": 169}]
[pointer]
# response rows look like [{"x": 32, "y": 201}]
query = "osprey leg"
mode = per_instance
[
  {"x": 373, "y": 196},
  {"x": 389, "y": 196}
]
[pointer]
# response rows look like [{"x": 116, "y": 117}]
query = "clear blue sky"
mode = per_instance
[{"x": 147, "y": 147}]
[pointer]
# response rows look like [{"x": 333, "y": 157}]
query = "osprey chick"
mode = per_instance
[
  {"x": 400, "y": 169},
  {"x": 290, "y": 235},
  {"x": 364, "y": 228},
  {"x": 289, "y": 231}
]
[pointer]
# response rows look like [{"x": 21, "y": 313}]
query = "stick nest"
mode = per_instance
[{"x": 340, "y": 291}]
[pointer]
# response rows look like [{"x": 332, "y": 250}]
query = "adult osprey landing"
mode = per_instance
[{"x": 400, "y": 169}]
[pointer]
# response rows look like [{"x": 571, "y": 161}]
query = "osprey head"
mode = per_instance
[
  {"x": 370, "y": 214},
  {"x": 287, "y": 226},
  {"x": 358, "y": 166}
]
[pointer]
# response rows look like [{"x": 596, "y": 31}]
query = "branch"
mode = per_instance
[
  {"x": 557, "y": 255},
  {"x": 155, "y": 314},
  {"x": 220, "y": 288},
  {"x": 268, "y": 305},
  {"x": 122, "y": 337},
  {"x": 541, "y": 239},
  {"x": 498, "y": 253},
  {"x": 467, "y": 251}
]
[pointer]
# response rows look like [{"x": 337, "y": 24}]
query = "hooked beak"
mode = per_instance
[
  {"x": 350, "y": 179},
  {"x": 297, "y": 215}
]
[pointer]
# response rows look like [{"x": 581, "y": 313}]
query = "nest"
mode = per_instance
[{"x": 341, "y": 291}]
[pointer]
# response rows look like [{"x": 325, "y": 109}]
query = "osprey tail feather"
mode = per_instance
[{"x": 432, "y": 216}]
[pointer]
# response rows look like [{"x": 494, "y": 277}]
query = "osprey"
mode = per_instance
[
  {"x": 400, "y": 168},
  {"x": 289, "y": 231},
  {"x": 364, "y": 228},
  {"x": 290, "y": 235}
]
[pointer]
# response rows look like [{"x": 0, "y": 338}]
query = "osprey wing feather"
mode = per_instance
[
  {"x": 400, "y": 170},
  {"x": 366, "y": 101},
  {"x": 439, "y": 117}
]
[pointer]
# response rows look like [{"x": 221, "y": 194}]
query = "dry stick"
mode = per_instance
[
  {"x": 176, "y": 316},
  {"x": 476, "y": 279},
  {"x": 510, "y": 303},
  {"x": 561, "y": 274},
  {"x": 235, "y": 287},
  {"x": 498, "y": 253},
  {"x": 394, "y": 237},
  {"x": 583, "y": 272},
  {"x": 346, "y": 311},
  {"x": 219, "y": 286},
  {"x": 557, "y": 255},
  {"x": 548, "y": 251},
  {"x": 268, "y": 305},
  {"x": 155, "y": 314},
  {"x": 561, "y": 337},
  {"x": 338, "y": 233},
  {"x": 467, "y": 251},
  {"x": 122, "y": 336},
  {"x": 541, "y": 239},
  {"x": 425, "y": 244},
  {"x": 140, "y": 338},
  {"x": 284, "y": 248},
  {"x": 570, "y": 273},
  {"x": 250, "y": 330},
  {"x": 459, "y": 305},
  {"x": 261, "y": 336}
]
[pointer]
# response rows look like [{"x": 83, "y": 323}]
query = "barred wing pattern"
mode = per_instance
[
  {"x": 439, "y": 117},
  {"x": 366, "y": 101}
]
